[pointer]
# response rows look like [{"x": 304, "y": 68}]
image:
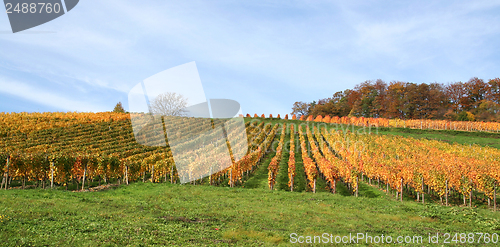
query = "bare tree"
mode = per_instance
[{"x": 169, "y": 104}]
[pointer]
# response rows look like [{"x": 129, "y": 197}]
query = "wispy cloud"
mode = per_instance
[
  {"x": 47, "y": 98},
  {"x": 265, "y": 54}
]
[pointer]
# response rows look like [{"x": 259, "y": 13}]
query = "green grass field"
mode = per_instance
[
  {"x": 146, "y": 214},
  {"x": 164, "y": 214}
]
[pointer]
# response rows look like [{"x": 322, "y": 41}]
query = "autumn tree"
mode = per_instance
[
  {"x": 379, "y": 104},
  {"x": 367, "y": 95},
  {"x": 494, "y": 90},
  {"x": 395, "y": 99},
  {"x": 300, "y": 108},
  {"x": 476, "y": 91},
  {"x": 469, "y": 101}
]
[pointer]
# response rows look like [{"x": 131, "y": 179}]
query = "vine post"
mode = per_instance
[
  {"x": 126, "y": 175},
  {"x": 446, "y": 193},
  {"x": 153, "y": 174},
  {"x": 314, "y": 186},
  {"x": 401, "y": 189},
  {"x": 6, "y": 174},
  {"x": 51, "y": 174},
  {"x": 423, "y": 198},
  {"x": 357, "y": 186},
  {"x": 470, "y": 198},
  {"x": 494, "y": 197},
  {"x": 84, "y": 175}
]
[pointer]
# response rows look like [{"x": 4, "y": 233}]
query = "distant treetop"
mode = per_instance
[{"x": 119, "y": 108}]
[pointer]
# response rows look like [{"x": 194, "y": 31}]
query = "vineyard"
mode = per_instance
[
  {"x": 62, "y": 149},
  {"x": 401, "y": 123}
]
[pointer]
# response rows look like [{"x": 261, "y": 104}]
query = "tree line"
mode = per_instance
[{"x": 474, "y": 100}]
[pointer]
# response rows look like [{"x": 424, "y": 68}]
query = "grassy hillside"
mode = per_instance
[{"x": 146, "y": 214}]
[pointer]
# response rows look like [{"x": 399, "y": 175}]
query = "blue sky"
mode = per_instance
[{"x": 264, "y": 54}]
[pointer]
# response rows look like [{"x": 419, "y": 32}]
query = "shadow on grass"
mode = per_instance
[
  {"x": 370, "y": 191},
  {"x": 341, "y": 189}
]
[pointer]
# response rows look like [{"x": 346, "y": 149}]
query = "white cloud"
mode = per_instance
[
  {"x": 47, "y": 98},
  {"x": 298, "y": 50}
]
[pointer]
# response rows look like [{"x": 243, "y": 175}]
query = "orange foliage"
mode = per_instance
[{"x": 415, "y": 123}]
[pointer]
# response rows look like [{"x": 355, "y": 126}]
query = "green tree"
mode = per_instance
[
  {"x": 466, "y": 116},
  {"x": 119, "y": 108}
]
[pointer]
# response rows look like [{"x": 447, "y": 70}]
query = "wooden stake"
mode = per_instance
[
  {"x": 84, "y": 175},
  {"x": 334, "y": 185},
  {"x": 401, "y": 189},
  {"x": 357, "y": 186},
  {"x": 231, "y": 178},
  {"x": 446, "y": 192},
  {"x": 494, "y": 197},
  {"x": 423, "y": 200},
  {"x": 470, "y": 198},
  {"x": 126, "y": 174},
  {"x": 153, "y": 174},
  {"x": 271, "y": 184},
  {"x": 51, "y": 176},
  {"x": 314, "y": 186},
  {"x": 6, "y": 175}
]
